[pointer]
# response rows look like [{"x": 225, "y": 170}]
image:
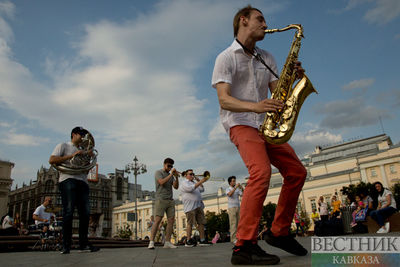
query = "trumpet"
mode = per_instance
[{"x": 205, "y": 174}]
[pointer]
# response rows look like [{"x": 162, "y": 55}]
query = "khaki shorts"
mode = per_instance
[
  {"x": 196, "y": 215},
  {"x": 165, "y": 206}
]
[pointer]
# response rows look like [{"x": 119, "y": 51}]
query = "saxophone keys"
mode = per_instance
[{"x": 283, "y": 128}]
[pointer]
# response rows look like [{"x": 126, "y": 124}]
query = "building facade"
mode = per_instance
[
  {"x": 104, "y": 194},
  {"x": 5, "y": 184},
  {"x": 329, "y": 169}
]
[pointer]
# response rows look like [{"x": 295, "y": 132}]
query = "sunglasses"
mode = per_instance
[
  {"x": 170, "y": 166},
  {"x": 191, "y": 174}
]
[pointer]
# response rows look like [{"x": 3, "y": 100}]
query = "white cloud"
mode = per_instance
[
  {"x": 384, "y": 11},
  {"x": 7, "y": 9},
  {"x": 20, "y": 139},
  {"x": 350, "y": 113},
  {"x": 357, "y": 84},
  {"x": 303, "y": 141},
  {"x": 132, "y": 85}
]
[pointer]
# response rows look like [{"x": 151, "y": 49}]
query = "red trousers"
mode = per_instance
[{"x": 258, "y": 155}]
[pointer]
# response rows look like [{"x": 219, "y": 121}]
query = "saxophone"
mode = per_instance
[{"x": 278, "y": 127}]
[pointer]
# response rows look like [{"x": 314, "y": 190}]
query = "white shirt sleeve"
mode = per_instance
[
  {"x": 201, "y": 189},
  {"x": 228, "y": 190},
  {"x": 58, "y": 150},
  {"x": 37, "y": 211},
  {"x": 222, "y": 70},
  {"x": 187, "y": 187}
]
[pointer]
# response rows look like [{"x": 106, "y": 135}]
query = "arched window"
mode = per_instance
[{"x": 49, "y": 186}]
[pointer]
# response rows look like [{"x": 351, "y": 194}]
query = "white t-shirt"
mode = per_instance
[
  {"x": 323, "y": 208},
  {"x": 65, "y": 149},
  {"x": 191, "y": 197},
  {"x": 41, "y": 213},
  {"x": 233, "y": 201},
  {"x": 383, "y": 201},
  {"x": 249, "y": 80},
  {"x": 7, "y": 222}
]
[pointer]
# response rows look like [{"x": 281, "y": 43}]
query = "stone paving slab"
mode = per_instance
[{"x": 217, "y": 255}]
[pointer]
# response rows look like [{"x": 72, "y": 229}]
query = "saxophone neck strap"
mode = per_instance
[{"x": 257, "y": 56}]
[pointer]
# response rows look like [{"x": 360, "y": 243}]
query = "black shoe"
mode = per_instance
[
  {"x": 190, "y": 243},
  {"x": 65, "y": 251},
  {"x": 204, "y": 243},
  {"x": 89, "y": 249},
  {"x": 252, "y": 254},
  {"x": 287, "y": 243}
]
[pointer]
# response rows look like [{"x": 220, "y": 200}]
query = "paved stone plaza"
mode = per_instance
[{"x": 216, "y": 255}]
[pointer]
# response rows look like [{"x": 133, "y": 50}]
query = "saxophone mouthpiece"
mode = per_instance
[{"x": 270, "y": 30}]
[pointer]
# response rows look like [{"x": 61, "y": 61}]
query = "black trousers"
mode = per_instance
[{"x": 75, "y": 193}]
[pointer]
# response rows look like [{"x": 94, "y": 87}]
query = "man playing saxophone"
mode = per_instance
[
  {"x": 242, "y": 79},
  {"x": 74, "y": 190}
]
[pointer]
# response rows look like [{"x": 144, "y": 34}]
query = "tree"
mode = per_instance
[
  {"x": 124, "y": 232},
  {"x": 352, "y": 190},
  {"x": 396, "y": 194},
  {"x": 217, "y": 222}
]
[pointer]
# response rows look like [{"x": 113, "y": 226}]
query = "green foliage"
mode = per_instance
[
  {"x": 217, "y": 222},
  {"x": 396, "y": 194},
  {"x": 268, "y": 214},
  {"x": 351, "y": 190},
  {"x": 124, "y": 232}
]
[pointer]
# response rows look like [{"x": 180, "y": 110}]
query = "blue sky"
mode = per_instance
[{"x": 137, "y": 74}]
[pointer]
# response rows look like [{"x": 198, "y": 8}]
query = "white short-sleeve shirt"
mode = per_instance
[
  {"x": 41, "y": 213},
  {"x": 64, "y": 149},
  {"x": 233, "y": 201},
  {"x": 191, "y": 196},
  {"x": 249, "y": 80},
  {"x": 383, "y": 201}
]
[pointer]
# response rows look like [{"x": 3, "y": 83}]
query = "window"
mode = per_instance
[
  {"x": 392, "y": 169},
  {"x": 183, "y": 223},
  {"x": 299, "y": 205},
  {"x": 373, "y": 172},
  {"x": 313, "y": 204},
  {"x": 93, "y": 203},
  {"x": 49, "y": 186}
]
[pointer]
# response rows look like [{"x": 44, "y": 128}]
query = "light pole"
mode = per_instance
[{"x": 136, "y": 168}]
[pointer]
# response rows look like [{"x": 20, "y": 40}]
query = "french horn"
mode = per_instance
[{"x": 80, "y": 163}]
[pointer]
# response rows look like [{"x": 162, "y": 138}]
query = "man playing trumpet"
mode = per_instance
[
  {"x": 165, "y": 179},
  {"x": 233, "y": 192},
  {"x": 193, "y": 206}
]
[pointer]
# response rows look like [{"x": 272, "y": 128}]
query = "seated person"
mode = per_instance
[
  {"x": 8, "y": 226},
  {"x": 360, "y": 213},
  {"x": 386, "y": 207},
  {"x": 41, "y": 217}
]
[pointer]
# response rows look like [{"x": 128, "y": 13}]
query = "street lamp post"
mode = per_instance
[{"x": 136, "y": 168}]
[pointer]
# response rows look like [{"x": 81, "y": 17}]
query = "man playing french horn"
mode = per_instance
[
  {"x": 242, "y": 75},
  {"x": 165, "y": 179},
  {"x": 74, "y": 190}
]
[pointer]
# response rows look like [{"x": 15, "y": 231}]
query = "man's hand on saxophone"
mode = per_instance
[
  {"x": 299, "y": 70},
  {"x": 268, "y": 105}
]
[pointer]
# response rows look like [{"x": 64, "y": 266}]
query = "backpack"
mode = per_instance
[{"x": 361, "y": 215}]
